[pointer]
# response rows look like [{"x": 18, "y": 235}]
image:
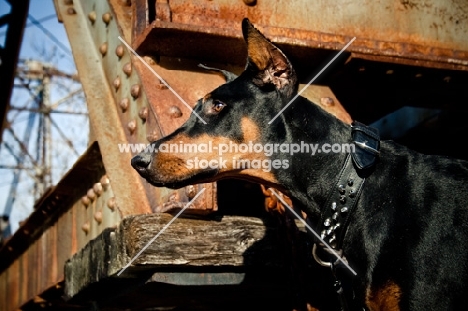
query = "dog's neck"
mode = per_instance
[{"x": 307, "y": 122}]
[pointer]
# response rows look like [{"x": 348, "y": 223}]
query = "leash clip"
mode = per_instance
[
  {"x": 327, "y": 263},
  {"x": 337, "y": 285}
]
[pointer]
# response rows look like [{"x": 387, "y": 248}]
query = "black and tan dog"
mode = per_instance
[{"x": 399, "y": 217}]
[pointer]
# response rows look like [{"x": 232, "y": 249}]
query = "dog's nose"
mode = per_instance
[{"x": 140, "y": 162}]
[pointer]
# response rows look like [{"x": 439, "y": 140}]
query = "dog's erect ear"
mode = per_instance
[
  {"x": 229, "y": 76},
  {"x": 268, "y": 62}
]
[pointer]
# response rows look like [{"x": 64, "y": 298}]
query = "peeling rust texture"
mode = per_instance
[
  {"x": 162, "y": 121},
  {"x": 33, "y": 258},
  {"x": 429, "y": 33},
  {"x": 96, "y": 73},
  {"x": 53, "y": 204},
  {"x": 107, "y": 84}
]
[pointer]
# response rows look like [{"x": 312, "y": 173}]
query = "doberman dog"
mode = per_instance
[{"x": 397, "y": 217}]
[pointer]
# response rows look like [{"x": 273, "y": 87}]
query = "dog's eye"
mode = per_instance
[{"x": 217, "y": 106}]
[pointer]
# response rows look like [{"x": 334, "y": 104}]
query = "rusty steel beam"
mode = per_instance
[
  {"x": 428, "y": 33},
  {"x": 93, "y": 36},
  {"x": 119, "y": 88},
  {"x": 79, "y": 208}
]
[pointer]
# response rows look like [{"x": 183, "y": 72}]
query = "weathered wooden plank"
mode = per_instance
[
  {"x": 197, "y": 242},
  {"x": 230, "y": 243}
]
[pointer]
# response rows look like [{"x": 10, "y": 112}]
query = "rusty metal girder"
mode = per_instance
[
  {"x": 64, "y": 220},
  {"x": 424, "y": 33},
  {"x": 117, "y": 85}
]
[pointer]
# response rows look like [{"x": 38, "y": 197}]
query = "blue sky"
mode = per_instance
[
  {"x": 39, "y": 9},
  {"x": 38, "y": 45}
]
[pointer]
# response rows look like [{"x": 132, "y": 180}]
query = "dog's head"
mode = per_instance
[{"x": 224, "y": 134}]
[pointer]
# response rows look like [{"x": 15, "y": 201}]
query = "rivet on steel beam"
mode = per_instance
[
  {"x": 111, "y": 203},
  {"x": 151, "y": 60},
  {"x": 85, "y": 200},
  {"x": 105, "y": 182},
  {"x": 116, "y": 83},
  {"x": 143, "y": 113},
  {"x": 86, "y": 227},
  {"x": 38, "y": 299},
  {"x": 103, "y": 48},
  {"x": 161, "y": 86},
  {"x": 132, "y": 126},
  {"x": 152, "y": 135},
  {"x": 174, "y": 197},
  {"x": 97, "y": 187},
  {"x": 91, "y": 195},
  {"x": 127, "y": 69},
  {"x": 106, "y": 18},
  {"x": 119, "y": 50},
  {"x": 68, "y": 2},
  {"x": 124, "y": 104},
  {"x": 71, "y": 11},
  {"x": 190, "y": 191},
  {"x": 98, "y": 216},
  {"x": 92, "y": 17},
  {"x": 327, "y": 101},
  {"x": 250, "y": 2},
  {"x": 175, "y": 112},
  {"x": 135, "y": 91}
]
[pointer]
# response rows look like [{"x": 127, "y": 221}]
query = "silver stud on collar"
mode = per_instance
[
  {"x": 332, "y": 224},
  {"x": 332, "y": 241},
  {"x": 341, "y": 189},
  {"x": 335, "y": 216},
  {"x": 323, "y": 234},
  {"x": 343, "y": 199}
]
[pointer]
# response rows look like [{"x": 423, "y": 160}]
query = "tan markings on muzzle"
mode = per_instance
[
  {"x": 180, "y": 161},
  {"x": 385, "y": 298}
]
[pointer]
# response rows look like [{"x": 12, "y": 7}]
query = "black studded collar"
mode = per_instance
[{"x": 342, "y": 198}]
